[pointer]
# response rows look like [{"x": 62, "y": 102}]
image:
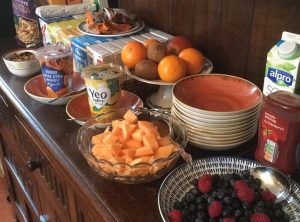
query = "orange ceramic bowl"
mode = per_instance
[
  {"x": 217, "y": 94},
  {"x": 78, "y": 108}
]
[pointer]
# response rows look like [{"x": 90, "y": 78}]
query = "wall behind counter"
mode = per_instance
[
  {"x": 236, "y": 35},
  {"x": 7, "y": 28}
]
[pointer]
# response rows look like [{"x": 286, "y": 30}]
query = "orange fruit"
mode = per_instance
[
  {"x": 171, "y": 68},
  {"x": 194, "y": 60},
  {"x": 149, "y": 42},
  {"x": 132, "y": 53}
]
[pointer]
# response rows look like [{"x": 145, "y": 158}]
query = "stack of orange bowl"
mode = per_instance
[{"x": 220, "y": 111}]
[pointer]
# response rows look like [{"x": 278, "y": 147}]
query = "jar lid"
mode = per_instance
[
  {"x": 53, "y": 52},
  {"x": 287, "y": 50},
  {"x": 285, "y": 98}
]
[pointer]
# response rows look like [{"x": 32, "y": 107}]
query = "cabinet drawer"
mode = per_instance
[{"x": 50, "y": 183}]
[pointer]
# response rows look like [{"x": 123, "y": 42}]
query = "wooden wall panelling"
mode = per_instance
[
  {"x": 159, "y": 14},
  {"x": 182, "y": 17},
  {"x": 206, "y": 26},
  {"x": 270, "y": 19},
  {"x": 295, "y": 26},
  {"x": 233, "y": 39}
]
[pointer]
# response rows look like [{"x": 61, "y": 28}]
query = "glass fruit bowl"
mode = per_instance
[{"x": 137, "y": 168}]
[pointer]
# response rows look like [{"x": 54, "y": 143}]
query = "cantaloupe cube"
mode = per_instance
[
  {"x": 164, "y": 151},
  {"x": 99, "y": 146},
  {"x": 150, "y": 141},
  {"x": 144, "y": 151},
  {"x": 117, "y": 159},
  {"x": 96, "y": 150},
  {"x": 105, "y": 154},
  {"x": 142, "y": 159},
  {"x": 164, "y": 141},
  {"x": 115, "y": 148},
  {"x": 127, "y": 130},
  {"x": 98, "y": 138},
  {"x": 110, "y": 139},
  {"x": 128, "y": 159},
  {"x": 133, "y": 144},
  {"x": 116, "y": 123},
  {"x": 138, "y": 134},
  {"x": 128, "y": 153},
  {"x": 130, "y": 117},
  {"x": 116, "y": 131},
  {"x": 148, "y": 128}
]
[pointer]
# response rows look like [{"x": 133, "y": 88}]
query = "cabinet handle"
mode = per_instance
[{"x": 33, "y": 164}]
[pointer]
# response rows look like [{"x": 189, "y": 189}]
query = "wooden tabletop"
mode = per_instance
[{"x": 123, "y": 202}]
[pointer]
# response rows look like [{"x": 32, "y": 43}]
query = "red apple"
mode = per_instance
[{"x": 177, "y": 44}]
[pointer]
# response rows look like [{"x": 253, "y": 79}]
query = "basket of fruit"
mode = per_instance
[{"x": 132, "y": 146}]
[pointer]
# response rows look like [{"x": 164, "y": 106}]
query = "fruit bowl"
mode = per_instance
[{"x": 140, "y": 170}]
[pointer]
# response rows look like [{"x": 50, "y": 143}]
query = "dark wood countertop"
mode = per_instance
[{"x": 121, "y": 202}]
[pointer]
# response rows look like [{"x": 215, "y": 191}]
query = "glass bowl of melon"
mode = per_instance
[{"x": 132, "y": 146}]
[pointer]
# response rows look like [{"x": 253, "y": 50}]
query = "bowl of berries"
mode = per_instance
[{"x": 222, "y": 189}]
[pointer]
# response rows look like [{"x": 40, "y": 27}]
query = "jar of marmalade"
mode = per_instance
[{"x": 279, "y": 131}]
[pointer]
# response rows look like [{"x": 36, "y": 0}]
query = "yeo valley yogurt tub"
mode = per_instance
[{"x": 103, "y": 84}]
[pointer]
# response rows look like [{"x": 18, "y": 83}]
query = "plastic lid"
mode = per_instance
[
  {"x": 54, "y": 52},
  {"x": 287, "y": 50}
]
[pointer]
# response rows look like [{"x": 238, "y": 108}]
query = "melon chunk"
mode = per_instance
[
  {"x": 115, "y": 148},
  {"x": 138, "y": 135},
  {"x": 128, "y": 153},
  {"x": 164, "y": 141},
  {"x": 130, "y": 117},
  {"x": 164, "y": 151},
  {"x": 98, "y": 138},
  {"x": 110, "y": 139},
  {"x": 150, "y": 141},
  {"x": 148, "y": 128},
  {"x": 104, "y": 154},
  {"x": 133, "y": 144},
  {"x": 144, "y": 151},
  {"x": 127, "y": 130}
]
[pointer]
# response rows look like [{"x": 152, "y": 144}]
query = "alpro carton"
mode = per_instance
[{"x": 283, "y": 65}]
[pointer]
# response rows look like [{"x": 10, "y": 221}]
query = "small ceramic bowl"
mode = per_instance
[
  {"x": 78, "y": 108},
  {"x": 21, "y": 68},
  {"x": 36, "y": 89}
]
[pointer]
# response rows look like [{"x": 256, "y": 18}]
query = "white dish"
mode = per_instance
[
  {"x": 138, "y": 26},
  {"x": 21, "y": 68}
]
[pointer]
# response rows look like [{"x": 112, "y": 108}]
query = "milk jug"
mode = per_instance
[{"x": 283, "y": 65}]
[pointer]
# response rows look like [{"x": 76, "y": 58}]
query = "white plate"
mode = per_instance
[{"x": 138, "y": 26}]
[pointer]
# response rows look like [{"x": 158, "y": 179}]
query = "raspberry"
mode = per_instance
[
  {"x": 268, "y": 196},
  {"x": 246, "y": 195},
  {"x": 175, "y": 216},
  {"x": 259, "y": 217},
  {"x": 205, "y": 183},
  {"x": 215, "y": 209},
  {"x": 240, "y": 184},
  {"x": 229, "y": 219}
]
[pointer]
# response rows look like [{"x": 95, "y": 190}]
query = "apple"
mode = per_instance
[{"x": 177, "y": 44}]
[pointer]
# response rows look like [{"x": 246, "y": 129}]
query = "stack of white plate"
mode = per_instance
[{"x": 220, "y": 111}]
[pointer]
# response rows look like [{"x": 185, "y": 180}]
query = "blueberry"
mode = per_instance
[
  {"x": 192, "y": 207},
  {"x": 185, "y": 212},
  {"x": 279, "y": 213},
  {"x": 201, "y": 214},
  {"x": 199, "y": 220},
  {"x": 227, "y": 200},
  {"x": 236, "y": 204},
  {"x": 227, "y": 211},
  {"x": 195, "y": 191},
  {"x": 201, "y": 206},
  {"x": 246, "y": 206},
  {"x": 244, "y": 219},
  {"x": 245, "y": 174},
  {"x": 238, "y": 213},
  {"x": 210, "y": 199},
  {"x": 259, "y": 209},
  {"x": 260, "y": 203},
  {"x": 192, "y": 217},
  {"x": 277, "y": 206},
  {"x": 178, "y": 205},
  {"x": 190, "y": 197},
  {"x": 195, "y": 182},
  {"x": 213, "y": 220}
]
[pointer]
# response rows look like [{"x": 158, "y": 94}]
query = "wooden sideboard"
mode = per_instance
[{"x": 49, "y": 179}]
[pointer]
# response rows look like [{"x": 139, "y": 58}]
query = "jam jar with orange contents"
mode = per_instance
[{"x": 279, "y": 131}]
